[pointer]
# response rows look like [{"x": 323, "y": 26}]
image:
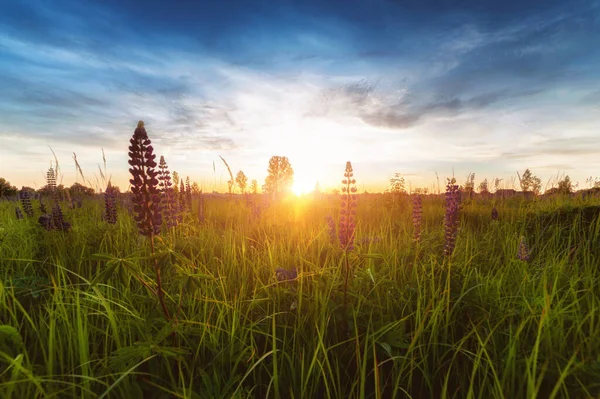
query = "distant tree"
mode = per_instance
[
  {"x": 242, "y": 181},
  {"x": 78, "y": 189},
  {"x": 565, "y": 186},
  {"x": 281, "y": 175},
  {"x": 254, "y": 187},
  {"x": 420, "y": 191},
  {"x": 397, "y": 184},
  {"x": 497, "y": 184},
  {"x": 7, "y": 189},
  {"x": 483, "y": 187},
  {"x": 530, "y": 182}
]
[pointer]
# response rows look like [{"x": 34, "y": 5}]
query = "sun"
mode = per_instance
[{"x": 303, "y": 185}]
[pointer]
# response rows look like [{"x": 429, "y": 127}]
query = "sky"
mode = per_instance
[{"x": 418, "y": 87}]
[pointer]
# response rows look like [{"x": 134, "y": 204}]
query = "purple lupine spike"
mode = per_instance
[
  {"x": 188, "y": 193},
  {"x": 201, "y": 215},
  {"x": 417, "y": 217},
  {"x": 168, "y": 201},
  {"x": 26, "y": 202},
  {"x": 494, "y": 213},
  {"x": 523, "y": 251},
  {"x": 110, "y": 204},
  {"x": 182, "y": 197},
  {"x": 42, "y": 207},
  {"x": 332, "y": 229},
  {"x": 348, "y": 209},
  {"x": 18, "y": 213},
  {"x": 57, "y": 219},
  {"x": 451, "y": 220},
  {"x": 146, "y": 197}
]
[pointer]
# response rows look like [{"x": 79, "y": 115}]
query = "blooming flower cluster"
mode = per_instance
[
  {"x": 452, "y": 217},
  {"x": 348, "y": 209},
  {"x": 417, "y": 216},
  {"x": 146, "y": 197}
]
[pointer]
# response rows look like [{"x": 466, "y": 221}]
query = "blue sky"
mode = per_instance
[{"x": 408, "y": 86}]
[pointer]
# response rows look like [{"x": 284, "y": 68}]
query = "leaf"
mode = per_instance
[
  {"x": 10, "y": 335},
  {"x": 104, "y": 274},
  {"x": 396, "y": 339}
]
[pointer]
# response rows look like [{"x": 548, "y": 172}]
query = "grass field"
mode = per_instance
[{"x": 80, "y": 318}]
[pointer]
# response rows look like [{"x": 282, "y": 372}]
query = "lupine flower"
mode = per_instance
[
  {"x": 58, "y": 220},
  {"x": 417, "y": 216},
  {"x": 331, "y": 228},
  {"x": 188, "y": 193},
  {"x": 168, "y": 201},
  {"x": 348, "y": 209},
  {"x": 286, "y": 275},
  {"x": 494, "y": 213},
  {"x": 146, "y": 197},
  {"x": 451, "y": 220},
  {"x": 110, "y": 204},
  {"x": 182, "y": 197},
  {"x": 523, "y": 252},
  {"x": 51, "y": 180},
  {"x": 42, "y": 207},
  {"x": 26, "y": 202},
  {"x": 18, "y": 213},
  {"x": 201, "y": 216}
]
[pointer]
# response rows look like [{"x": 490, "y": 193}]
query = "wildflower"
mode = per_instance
[
  {"x": 201, "y": 217},
  {"x": 286, "y": 275},
  {"x": 42, "y": 207},
  {"x": 168, "y": 201},
  {"x": 18, "y": 213},
  {"x": 146, "y": 196},
  {"x": 182, "y": 197},
  {"x": 348, "y": 209},
  {"x": 26, "y": 202},
  {"x": 494, "y": 213},
  {"x": 57, "y": 219},
  {"x": 331, "y": 228},
  {"x": 523, "y": 251},
  {"x": 417, "y": 216},
  {"x": 188, "y": 193},
  {"x": 110, "y": 204},
  {"x": 451, "y": 220}
]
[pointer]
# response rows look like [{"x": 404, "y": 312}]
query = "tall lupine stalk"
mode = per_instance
[
  {"x": 417, "y": 217},
  {"x": 110, "y": 204},
  {"x": 146, "y": 197},
  {"x": 168, "y": 201},
  {"x": 182, "y": 197},
  {"x": 523, "y": 251},
  {"x": 331, "y": 229},
  {"x": 58, "y": 220},
  {"x": 188, "y": 193},
  {"x": 201, "y": 215},
  {"x": 347, "y": 219},
  {"x": 18, "y": 213},
  {"x": 452, "y": 217},
  {"x": 26, "y": 202}
]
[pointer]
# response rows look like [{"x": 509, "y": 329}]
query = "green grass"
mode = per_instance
[{"x": 479, "y": 325}]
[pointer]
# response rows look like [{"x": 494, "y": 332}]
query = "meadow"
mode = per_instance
[{"x": 255, "y": 292}]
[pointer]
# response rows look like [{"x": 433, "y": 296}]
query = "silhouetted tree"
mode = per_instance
[
  {"x": 254, "y": 187},
  {"x": 530, "y": 182},
  {"x": 281, "y": 175},
  {"x": 78, "y": 189},
  {"x": 7, "y": 189},
  {"x": 242, "y": 181},
  {"x": 397, "y": 184}
]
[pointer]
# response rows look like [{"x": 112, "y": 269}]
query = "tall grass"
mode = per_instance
[{"x": 481, "y": 324}]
